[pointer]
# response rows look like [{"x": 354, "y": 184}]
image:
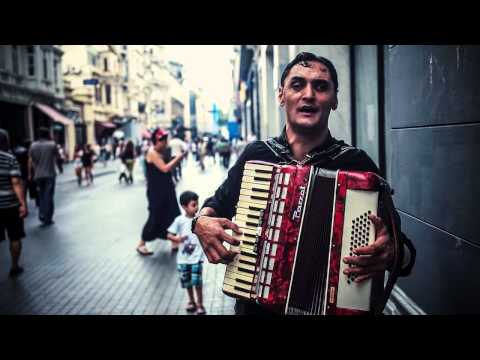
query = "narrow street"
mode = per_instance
[{"x": 86, "y": 262}]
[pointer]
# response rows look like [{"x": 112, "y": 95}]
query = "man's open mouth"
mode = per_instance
[{"x": 307, "y": 109}]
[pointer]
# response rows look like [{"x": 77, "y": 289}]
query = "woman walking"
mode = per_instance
[
  {"x": 87, "y": 163},
  {"x": 162, "y": 200},
  {"x": 128, "y": 159}
]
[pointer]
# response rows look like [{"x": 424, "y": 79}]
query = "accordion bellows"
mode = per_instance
[{"x": 298, "y": 223}]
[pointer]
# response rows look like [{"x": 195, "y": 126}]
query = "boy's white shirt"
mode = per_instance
[{"x": 182, "y": 226}]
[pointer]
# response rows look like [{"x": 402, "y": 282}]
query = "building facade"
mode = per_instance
[
  {"x": 414, "y": 110},
  {"x": 93, "y": 74},
  {"x": 32, "y": 92}
]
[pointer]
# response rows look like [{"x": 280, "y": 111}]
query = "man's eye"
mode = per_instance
[{"x": 322, "y": 87}]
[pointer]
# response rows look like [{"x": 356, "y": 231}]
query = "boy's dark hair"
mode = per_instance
[
  {"x": 4, "y": 140},
  {"x": 188, "y": 196},
  {"x": 302, "y": 59},
  {"x": 43, "y": 133}
]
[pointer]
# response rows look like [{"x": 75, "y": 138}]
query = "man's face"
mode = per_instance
[{"x": 308, "y": 95}]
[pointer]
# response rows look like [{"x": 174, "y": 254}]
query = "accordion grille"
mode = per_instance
[{"x": 308, "y": 287}]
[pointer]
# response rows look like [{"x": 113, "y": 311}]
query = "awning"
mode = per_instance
[
  {"x": 54, "y": 114},
  {"x": 107, "y": 124}
]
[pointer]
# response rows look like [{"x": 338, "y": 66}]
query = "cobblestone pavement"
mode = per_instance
[{"x": 86, "y": 263}]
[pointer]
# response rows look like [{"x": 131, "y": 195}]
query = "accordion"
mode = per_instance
[{"x": 298, "y": 223}]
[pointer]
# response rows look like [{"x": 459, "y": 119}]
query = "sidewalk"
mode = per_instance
[{"x": 99, "y": 169}]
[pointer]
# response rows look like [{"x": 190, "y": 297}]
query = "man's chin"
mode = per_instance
[{"x": 307, "y": 125}]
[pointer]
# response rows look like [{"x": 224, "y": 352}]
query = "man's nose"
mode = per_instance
[{"x": 308, "y": 92}]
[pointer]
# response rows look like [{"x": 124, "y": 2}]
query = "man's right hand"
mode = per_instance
[
  {"x": 23, "y": 211},
  {"x": 212, "y": 234}
]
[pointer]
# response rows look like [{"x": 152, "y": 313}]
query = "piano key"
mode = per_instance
[
  {"x": 247, "y": 260},
  {"x": 250, "y": 232},
  {"x": 254, "y": 186},
  {"x": 247, "y": 217},
  {"x": 254, "y": 180},
  {"x": 253, "y": 208},
  {"x": 247, "y": 247},
  {"x": 240, "y": 284},
  {"x": 261, "y": 167},
  {"x": 257, "y": 174},
  {"x": 237, "y": 267},
  {"x": 252, "y": 201},
  {"x": 254, "y": 194},
  {"x": 236, "y": 275},
  {"x": 247, "y": 211},
  {"x": 246, "y": 220},
  {"x": 245, "y": 226},
  {"x": 238, "y": 292},
  {"x": 247, "y": 252}
]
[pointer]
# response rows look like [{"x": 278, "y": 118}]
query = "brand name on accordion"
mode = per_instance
[{"x": 298, "y": 210}]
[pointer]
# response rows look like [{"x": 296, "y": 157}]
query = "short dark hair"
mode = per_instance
[
  {"x": 44, "y": 133},
  {"x": 188, "y": 196},
  {"x": 4, "y": 140},
  {"x": 302, "y": 59}
]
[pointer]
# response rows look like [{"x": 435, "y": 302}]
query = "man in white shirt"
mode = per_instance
[{"x": 178, "y": 147}]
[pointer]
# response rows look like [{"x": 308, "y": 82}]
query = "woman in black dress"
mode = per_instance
[
  {"x": 162, "y": 200},
  {"x": 87, "y": 163}
]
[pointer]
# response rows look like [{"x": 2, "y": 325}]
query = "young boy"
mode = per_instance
[{"x": 190, "y": 253}]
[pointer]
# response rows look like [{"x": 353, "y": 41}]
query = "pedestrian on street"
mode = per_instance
[
  {"x": 162, "y": 200},
  {"x": 77, "y": 163},
  {"x": 308, "y": 93},
  {"x": 224, "y": 151},
  {"x": 88, "y": 158},
  {"x": 42, "y": 162},
  {"x": 211, "y": 149},
  {"x": 128, "y": 160},
  {"x": 21, "y": 154},
  {"x": 177, "y": 146},
  {"x": 60, "y": 158},
  {"x": 13, "y": 207},
  {"x": 190, "y": 255},
  {"x": 202, "y": 153}
]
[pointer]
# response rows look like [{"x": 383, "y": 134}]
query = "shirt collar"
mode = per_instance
[{"x": 329, "y": 141}]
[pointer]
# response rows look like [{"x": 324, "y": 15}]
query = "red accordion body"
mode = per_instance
[{"x": 298, "y": 223}]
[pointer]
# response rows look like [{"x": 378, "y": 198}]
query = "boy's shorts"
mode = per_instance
[
  {"x": 190, "y": 274},
  {"x": 11, "y": 223}
]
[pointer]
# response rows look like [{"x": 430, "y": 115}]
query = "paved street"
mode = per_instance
[{"x": 86, "y": 263}]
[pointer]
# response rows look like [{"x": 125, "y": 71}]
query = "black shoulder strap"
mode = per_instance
[{"x": 386, "y": 198}]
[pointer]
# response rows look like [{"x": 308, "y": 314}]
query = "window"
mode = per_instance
[
  {"x": 92, "y": 59},
  {"x": 108, "y": 93},
  {"x": 45, "y": 65},
  {"x": 105, "y": 64},
  {"x": 98, "y": 93},
  {"x": 15, "y": 67},
  {"x": 31, "y": 60},
  {"x": 55, "y": 71}
]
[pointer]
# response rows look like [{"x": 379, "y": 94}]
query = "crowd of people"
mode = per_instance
[{"x": 31, "y": 169}]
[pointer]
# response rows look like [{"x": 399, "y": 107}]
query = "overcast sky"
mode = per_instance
[{"x": 207, "y": 67}]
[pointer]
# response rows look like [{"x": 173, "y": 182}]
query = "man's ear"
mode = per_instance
[
  {"x": 281, "y": 99},
  {"x": 335, "y": 103}
]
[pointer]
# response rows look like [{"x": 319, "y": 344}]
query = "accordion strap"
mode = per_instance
[{"x": 397, "y": 248}]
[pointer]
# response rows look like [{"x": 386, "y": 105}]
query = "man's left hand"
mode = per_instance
[{"x": 376, "y": 257}]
